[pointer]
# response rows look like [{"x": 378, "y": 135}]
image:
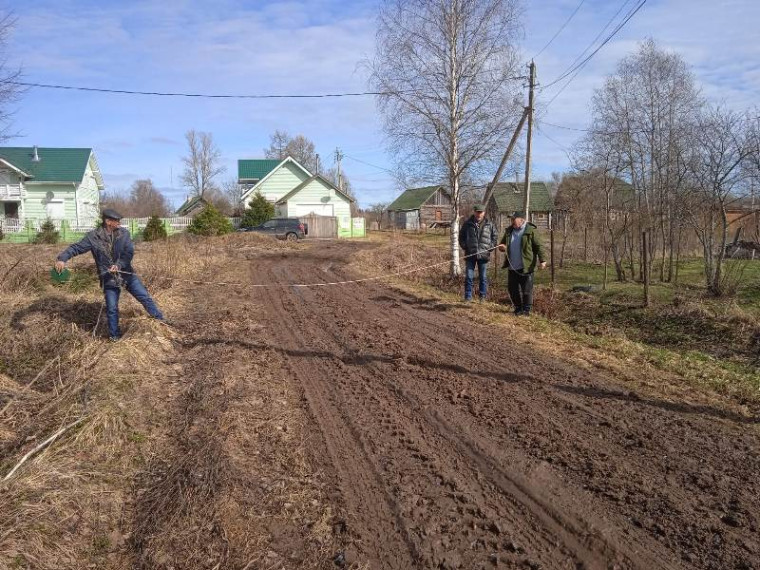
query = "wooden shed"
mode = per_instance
[{"x": 419, "y": 208}]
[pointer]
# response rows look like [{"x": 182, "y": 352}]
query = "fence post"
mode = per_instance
[
  {"x": 645, "y": 245},
  {"x": 551, "y": 253}
]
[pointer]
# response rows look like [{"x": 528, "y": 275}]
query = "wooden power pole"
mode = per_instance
[{"x": 531, "y": 85}]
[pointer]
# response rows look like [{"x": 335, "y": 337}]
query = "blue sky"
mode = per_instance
[{"x": 310, "y": 47}]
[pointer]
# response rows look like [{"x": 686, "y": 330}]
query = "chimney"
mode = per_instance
[{"x": 35, "y": 156}]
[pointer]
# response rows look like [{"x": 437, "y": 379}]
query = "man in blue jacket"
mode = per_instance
[{"x": 112, "y": 249}]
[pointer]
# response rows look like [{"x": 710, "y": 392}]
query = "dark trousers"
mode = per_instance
[
  {"x": 469, "y": 277},
  {"x": 520, "y": 287},
  {"x": 132, "y": 284}
]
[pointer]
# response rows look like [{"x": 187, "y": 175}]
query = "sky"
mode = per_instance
[{"x": 306, "y": 47}]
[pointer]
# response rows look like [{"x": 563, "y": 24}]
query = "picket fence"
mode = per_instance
[{"x": 25, "y": 230}]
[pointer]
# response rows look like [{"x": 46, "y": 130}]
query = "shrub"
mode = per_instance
[
  {"x": 47, "y": 233},
  {"x": 210, "y": 222},
  {"x": 259, "y": 211},
  {"x": 154, "y": 230}
]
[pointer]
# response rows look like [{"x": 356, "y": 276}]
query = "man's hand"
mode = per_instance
[
  {"x": 542, "y": 265},
  {"x": 60, "y": 266},
  {"x": 115, "y": 268},
  {"x": 502, "y": 247}
]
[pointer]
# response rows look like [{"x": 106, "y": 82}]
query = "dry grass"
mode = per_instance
[
  {"x": 64, "y": 506},
  {"x": 179, "y": 460}
]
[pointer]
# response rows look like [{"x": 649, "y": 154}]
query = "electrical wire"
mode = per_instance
[
  {"x": 614, "y": 32},
  {"x": 554, "y": 37},
  {"x": 196, "y": 95},
  {"x": 369, "y": 164}
]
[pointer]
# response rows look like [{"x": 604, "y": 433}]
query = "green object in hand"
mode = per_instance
[{"x": 62, "y": 277}]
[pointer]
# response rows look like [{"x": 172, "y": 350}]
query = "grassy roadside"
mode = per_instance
[{"x": 685, "y": 343}]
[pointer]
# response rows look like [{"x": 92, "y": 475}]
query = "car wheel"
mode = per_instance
[{"x": 291, "y": 237}]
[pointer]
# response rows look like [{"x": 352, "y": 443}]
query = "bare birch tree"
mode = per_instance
[
  {"x": 202, "y": 164},
  {"x": 446, "y": 73}
]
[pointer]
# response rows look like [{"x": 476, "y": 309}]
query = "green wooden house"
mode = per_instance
[
  {"x": 509, "y": 197},
  {"x": 57, "y": 183},
  {"x": 293, "y": 190}
]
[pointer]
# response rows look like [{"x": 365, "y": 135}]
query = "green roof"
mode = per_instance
[
  {"x": 256, "y": 169},
  {"x": 413, "y": 198},
  {"x": 509, "y": 197},
  {"x": 55, "y": 164}
]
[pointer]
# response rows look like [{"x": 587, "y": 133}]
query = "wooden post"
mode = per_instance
[
  {"x": 646, "y": 269},
  {"x": 551, "y": 253},
  {"x": 585, "y": 244},
  {"x": 528, "y": 143}
]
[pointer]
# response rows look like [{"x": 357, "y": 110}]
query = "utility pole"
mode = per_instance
[
  {"x": 492, "y": 185},
  {"x": 316, "y": 164},
  {"x": 338, "y": 158},
  {"x": 532, "y": 85}
]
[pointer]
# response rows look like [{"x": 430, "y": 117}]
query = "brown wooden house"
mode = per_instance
[{"x": 419, "y": 208}]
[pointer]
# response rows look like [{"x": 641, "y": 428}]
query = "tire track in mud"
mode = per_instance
[
  {"x": 383, "y": 539},
  {"x": 346, "y": 352},
  {"x": 658, "y": 467},
  {"x": 544, "y": 520},
  {"x": 589, "y": 549}
]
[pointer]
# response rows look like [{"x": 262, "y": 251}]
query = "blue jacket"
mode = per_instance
[
  {"x": 97, "y": 242},
  {"x": 477, "y": 239}
]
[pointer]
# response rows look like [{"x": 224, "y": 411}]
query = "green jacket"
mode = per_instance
[{"x": 532, "y": 250}]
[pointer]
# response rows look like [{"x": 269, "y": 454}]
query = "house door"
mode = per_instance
[
  {"x": 11, "y": 210},
  {"x": 55, "y": 210},
  {"x": 438, "y": 216}
]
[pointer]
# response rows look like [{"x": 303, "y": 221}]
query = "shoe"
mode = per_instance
[
  {"x": 114, "y": 338},
  {"x": 518, "y": 312},
  {"x": 468, "y": 300},
  {"x": 525, "y": 313},
  {"x": 481, "y": 300}
]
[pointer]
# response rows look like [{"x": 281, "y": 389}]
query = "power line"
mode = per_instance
[
  {"x": 554, "y": 37},
  {"x": 196, "y": 95},
  {"x": 369, "y": 164},
  {"x": 599, "y": 35},
  {"x": 579, "y": 66}
]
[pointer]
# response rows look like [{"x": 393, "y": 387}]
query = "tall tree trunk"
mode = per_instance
[
  {"x": 718, "y": 285},
  {"x": 678, "y": 254}
]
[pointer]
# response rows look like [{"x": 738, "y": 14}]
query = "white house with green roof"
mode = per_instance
[
  {"x": 57, "y": 183},
  {"x": 293, "y": 190}
]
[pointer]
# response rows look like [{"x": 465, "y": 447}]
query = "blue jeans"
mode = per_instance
[
  {"x": 132, "y": 284},
  {"x": 470, "y": 275}
]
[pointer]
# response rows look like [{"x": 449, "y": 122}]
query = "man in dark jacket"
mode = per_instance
[
  {"x": 112, "y": 249},
  {"x": 477, "y": 238},
  {"x": 523, "y": 252}
]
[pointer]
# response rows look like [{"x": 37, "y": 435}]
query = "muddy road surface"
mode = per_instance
[{"x": 443, "y": 442}]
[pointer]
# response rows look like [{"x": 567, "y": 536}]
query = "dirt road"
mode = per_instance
[{"x": 443, "y": 443}]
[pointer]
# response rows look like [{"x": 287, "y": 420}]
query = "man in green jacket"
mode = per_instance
[{"x": 523, "y": 252}]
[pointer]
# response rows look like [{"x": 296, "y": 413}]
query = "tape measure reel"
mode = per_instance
[{"x": 60, "y": 278}]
